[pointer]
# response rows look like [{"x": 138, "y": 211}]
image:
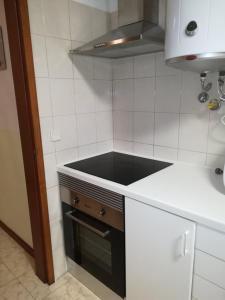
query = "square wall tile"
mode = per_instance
[
  {"x": 59, "y": 62},
  {"x": 123, "y": 68},
  {"x": 162, "y": 69},
  {"x": 83, "y": 67},
  {"x": 46, "y": 131},
  {"x": 56, "y": 14},
  {"x": 36, "y": 17},
  {"x": 39, "y": 56},
  {"x": 168, "y": 94},
  {"x": 123, "y": 125},
  {"x": 102, "y": 69},
  {"x": 123, "y": 95},
  {"x": 143, "y": 149},
  {"x": 216, "y": 142},
  {"x": 144, "y": 66},
  {"x": 103, "y": 147},
  {"x": 81, "y": 22},
  {"x": 100, "y": 22},
  {"x": 67, "y": 155},
  {"x": 86, "y": 124},
  {"x": 166, "y": 129},
  {"x": 123, "y": 146},
  {"x": 57, "y": 237},
  {"x": 103, "y": 95},
  {"x": 191, "y": 87},
  {"x": 87, "y": 151},
  {"x": 65, "y": 127},
  {"x": 193, "y": 132},
  {"x": 43, "y": 94},
  {"x": 144, "y": 127},
  {"x": 104, "y": 126},
  {"x": 192, "y": 157},
  {"x": 54, "y": 203},
  {"x": 144, "y": 94},
  {"x": 85, "y": 97},
  {"x": 59, "y": 262},
  {"x": 62, "y": 94},
  {"x": 165, "y": 153},
  {"x": 50, "y": 170}
]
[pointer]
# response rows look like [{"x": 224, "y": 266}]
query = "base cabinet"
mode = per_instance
[{"x": 159, "y": 253}]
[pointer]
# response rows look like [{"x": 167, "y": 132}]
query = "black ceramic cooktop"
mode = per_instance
[{"x": 121, "y": 168}]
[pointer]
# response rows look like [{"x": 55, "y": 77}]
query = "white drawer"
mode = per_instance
[
  {"x": 210, "y": 241},
  {"x": 210, "y": 268},
  {"x": 204, "y": 290}
]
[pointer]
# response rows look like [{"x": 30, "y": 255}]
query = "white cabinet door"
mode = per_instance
[{"x": 159, "y": 253}]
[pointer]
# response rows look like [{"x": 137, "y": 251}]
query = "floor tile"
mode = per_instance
[
  {"x": 18, "y": 262},
  {"x": 73, "y": 289},
  {"x": 38, "y": 289},
  {"x": 19, "y": 282},
  {"x": 5, "y": 275},
  {"x": 14, "y": 291},
  {"x": 7, "y": 246}
]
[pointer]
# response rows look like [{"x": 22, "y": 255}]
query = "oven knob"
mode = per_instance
[
  {"x": 76, "y": 200},
  {"x": 102, "y": 212}
]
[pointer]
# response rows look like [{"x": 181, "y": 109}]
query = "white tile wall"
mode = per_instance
[
  {"x": 59, "y": 62},
  {"x": 40, "y": 56},
  {"x": 143, "y": 127},
  {"x": 43, "y": 94},
  {"x": 74, "y": 96},
  {"x": 166, "y": 129},
  {"x": 62, "y": 95},
  {"x": 56, "y": 18},
  {"x": 144, "y": 66},
  {"x": 144, "y": 94},
  {"x": 164, "y": 118}
]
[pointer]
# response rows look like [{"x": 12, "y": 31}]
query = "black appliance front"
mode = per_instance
[{"x": 97, "y": 247}]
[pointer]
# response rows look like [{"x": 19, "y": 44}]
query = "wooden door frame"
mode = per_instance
[{"x": 17, "y": 19}]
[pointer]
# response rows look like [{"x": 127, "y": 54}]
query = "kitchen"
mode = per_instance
[{"x": 132, "y": 129}]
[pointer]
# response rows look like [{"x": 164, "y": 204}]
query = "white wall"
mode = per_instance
[
  {"x": 74, "y": 95},
  {"x": 14, "y": 210},
  {"x": 156, "y": 113}
]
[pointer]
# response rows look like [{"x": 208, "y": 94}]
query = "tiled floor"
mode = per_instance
[{"x": 18, "y": 281}]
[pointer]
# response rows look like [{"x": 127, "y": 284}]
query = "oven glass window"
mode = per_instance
[{"x": 95, "y": 249}]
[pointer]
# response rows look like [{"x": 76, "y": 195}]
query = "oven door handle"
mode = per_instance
[{"x": 93, "y": 229}]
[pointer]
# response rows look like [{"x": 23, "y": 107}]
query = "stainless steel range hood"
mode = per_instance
[{"x": 141, "y": 31}]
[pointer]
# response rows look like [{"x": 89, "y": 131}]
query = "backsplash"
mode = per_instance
[{"x": 156, "y": 113}]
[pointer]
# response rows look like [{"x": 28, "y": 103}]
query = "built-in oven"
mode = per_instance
[{"x": 93, "y": 221}]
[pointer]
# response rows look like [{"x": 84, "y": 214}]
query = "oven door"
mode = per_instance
[{"x": 97, "y": 247}]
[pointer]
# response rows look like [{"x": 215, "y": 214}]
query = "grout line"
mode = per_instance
[{"x": 154, "y": 113}]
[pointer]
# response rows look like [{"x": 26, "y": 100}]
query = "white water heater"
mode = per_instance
[{"x": 195, "y": 35}]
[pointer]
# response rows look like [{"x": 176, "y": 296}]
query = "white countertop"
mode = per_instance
[{"x": 193, "y": 192}]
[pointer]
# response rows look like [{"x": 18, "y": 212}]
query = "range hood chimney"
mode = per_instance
[{"x": 140, "y": 31}]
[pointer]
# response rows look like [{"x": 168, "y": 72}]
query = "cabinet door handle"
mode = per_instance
[{"x": 184, "y": 243}]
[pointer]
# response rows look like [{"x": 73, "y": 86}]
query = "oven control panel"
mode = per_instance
[
  {"x": 97, "y": 210},
  {"x": 93, "y": 208}
]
